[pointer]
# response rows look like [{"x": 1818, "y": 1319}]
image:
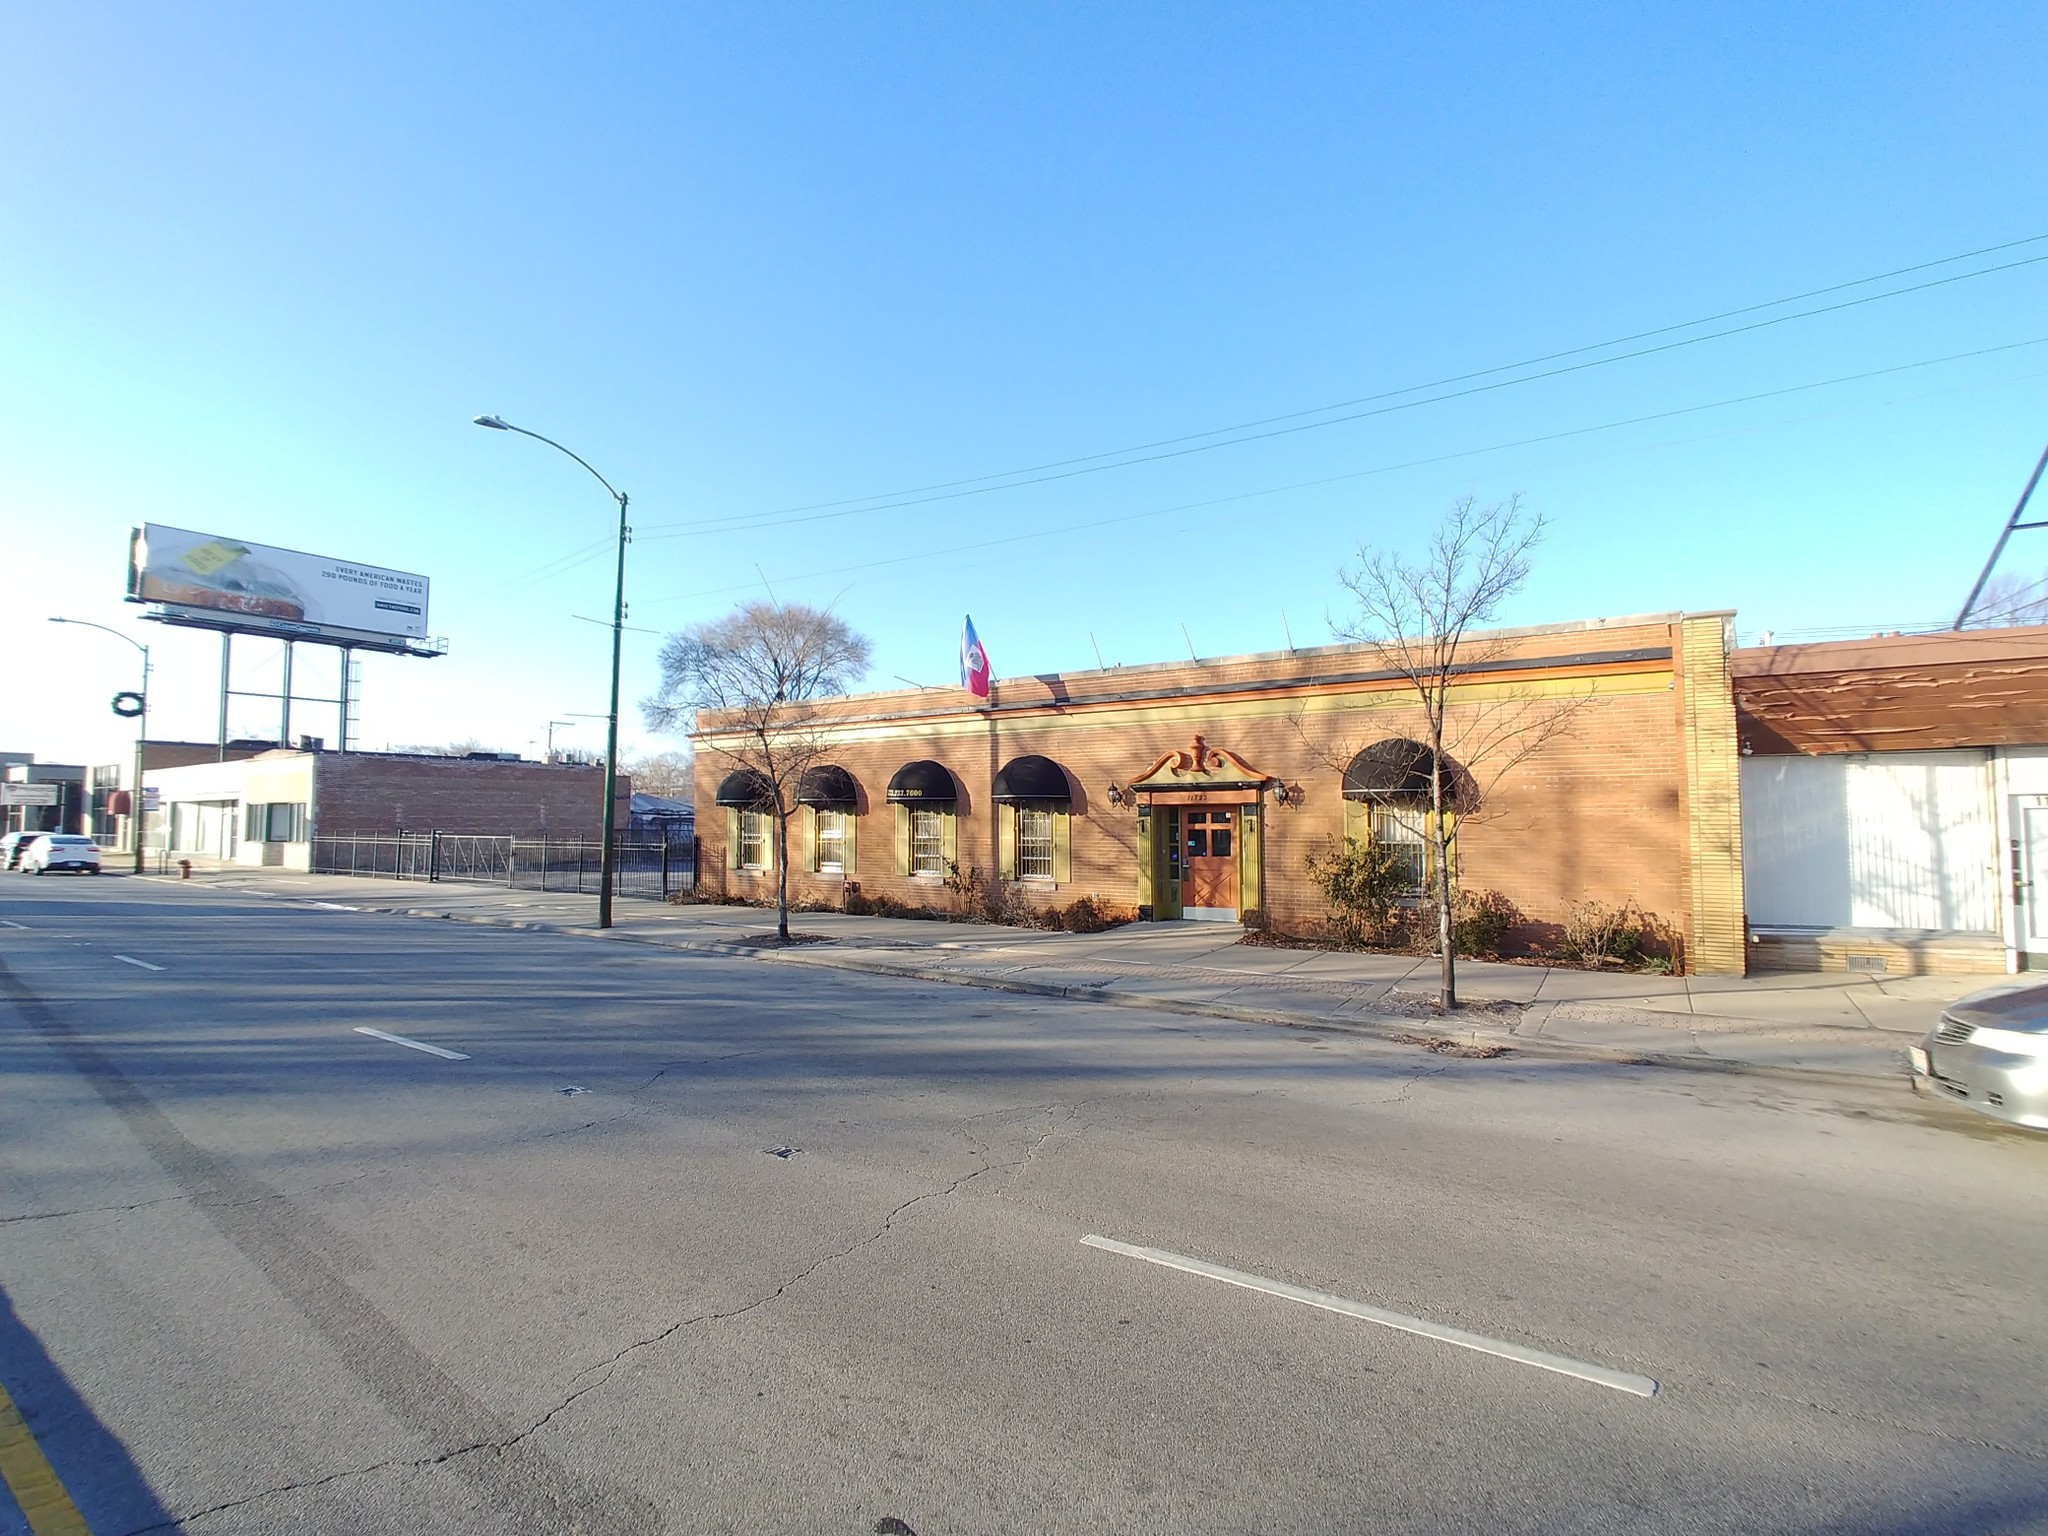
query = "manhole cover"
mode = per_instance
[{"x": 786, "y": 1153}]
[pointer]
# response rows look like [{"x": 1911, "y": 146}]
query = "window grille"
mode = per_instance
[
  {"x": 753, "y": 839},
  {"x": 1034, "y": 843},
  {"x": 1401, "y": 830},
  {"x": 927, "y": 843},
  {"x": 832, "y": 842}
]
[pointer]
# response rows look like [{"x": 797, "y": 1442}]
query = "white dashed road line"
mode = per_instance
[
  {"x": 131, "y": 960},
  {"x": 1599, "y": 1375},
  {"x": 417, "y": 1045},
  {"x": 4, "y": 923}
]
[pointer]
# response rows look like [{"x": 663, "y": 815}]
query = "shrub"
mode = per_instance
[
  {"x": 1091, "y": 914},
  {"x": 1601, "y": 934},
  {"x": 1481, "y": 920},
  {"x": 1363, "y": 882}
]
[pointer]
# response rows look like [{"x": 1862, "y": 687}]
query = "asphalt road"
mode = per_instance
[{"x": 688, "y": 1243}]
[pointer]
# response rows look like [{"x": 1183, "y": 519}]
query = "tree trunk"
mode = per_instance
[
  {"x": 782, "y": 874},
  {"x": 1440, "y": 852},
  {"x": 1447, "y": 991}
]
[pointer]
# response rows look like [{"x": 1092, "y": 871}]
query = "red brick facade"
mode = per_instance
[{"x": 387, "y": 792}]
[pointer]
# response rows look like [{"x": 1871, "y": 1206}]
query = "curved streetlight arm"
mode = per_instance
[
  {"x": 135, "y": 815},
  {"x": 500, "y": 424},
  {"x": 607, "y": 848},
  {"x": 105, "y": 630}
]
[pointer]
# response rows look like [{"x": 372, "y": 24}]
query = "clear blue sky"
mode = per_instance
[{"x": 260, "y": 265}]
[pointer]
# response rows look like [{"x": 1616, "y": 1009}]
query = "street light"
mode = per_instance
[
  {"x": 141, "y": 725},
  {"x": 611, "y": 745}
]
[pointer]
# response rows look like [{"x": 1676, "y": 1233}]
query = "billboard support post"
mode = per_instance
[
  {"x": 348, "y": 661},
  {"x": 284, "y": 727},
  {"x": 227, "y": 640},
  {"x": 607, "y": 850}
]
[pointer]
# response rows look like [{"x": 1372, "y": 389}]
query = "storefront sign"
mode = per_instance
[
  {"x": 29, "y": 794},
  {"x": 1199, "y": 796}
]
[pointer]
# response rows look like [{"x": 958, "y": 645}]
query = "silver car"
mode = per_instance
[{"x": 1990, "y": 1051}]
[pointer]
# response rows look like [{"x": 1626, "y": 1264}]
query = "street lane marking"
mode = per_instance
[
  {"x": 4, "y": 923},
  {"x": 332, "y": 906},
  {"x": 131, "y": 960},
  {"x": 1599, "y": 1375},
  {"x": 418, "y": 1045},
  {"x": 32, "y": 1480}
]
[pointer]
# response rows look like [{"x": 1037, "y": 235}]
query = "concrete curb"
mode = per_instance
[{"x": 1384, "y": 1027}]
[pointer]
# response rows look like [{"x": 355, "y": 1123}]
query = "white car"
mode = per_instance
[
  {"x": 61, "y": 850},
  {"x": 14, "y": 845}
]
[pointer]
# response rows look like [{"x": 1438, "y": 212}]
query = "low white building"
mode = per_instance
[{"x": 1895, "y": 802}]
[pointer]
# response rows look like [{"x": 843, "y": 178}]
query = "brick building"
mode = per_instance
[
  {"x": 268, "y": 808},
  {"x": 1201, "y": 789}
]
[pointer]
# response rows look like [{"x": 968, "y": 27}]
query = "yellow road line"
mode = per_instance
[{"x": 32, "y": 1479}]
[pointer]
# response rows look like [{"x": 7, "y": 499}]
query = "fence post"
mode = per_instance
[
  {"x": 579, "y": 863},
  {"x": 664, "y": 863}
]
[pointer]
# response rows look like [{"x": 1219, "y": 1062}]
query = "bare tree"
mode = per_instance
[
  {"x": 2010, "y": 599},
  {"x": 762, "y": 668},
  {"x": 1419, "y": 619},
  {"x": 668, "y": 774},
  {"x": 462, "y": 748}
]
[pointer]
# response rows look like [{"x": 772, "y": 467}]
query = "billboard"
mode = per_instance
[{"x": 227, "y": 584}]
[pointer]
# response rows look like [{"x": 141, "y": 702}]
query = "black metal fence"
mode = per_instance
[{"x": 642, "y": 866}]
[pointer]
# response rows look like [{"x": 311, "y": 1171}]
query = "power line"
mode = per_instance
[
  {"x": 1175, "y": 447},
  {"x": 1526, "y": 442}
]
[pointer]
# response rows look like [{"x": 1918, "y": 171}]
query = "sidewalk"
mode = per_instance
[{"x": 1834, "y": 1025}]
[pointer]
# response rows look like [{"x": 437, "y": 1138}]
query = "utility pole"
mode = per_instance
[{"x": 2012, "y": 526}]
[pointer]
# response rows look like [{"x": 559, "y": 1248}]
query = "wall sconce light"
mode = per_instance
[
  {"x": 1286, "y": 795},
  {"x": 1116, "y": 796}
]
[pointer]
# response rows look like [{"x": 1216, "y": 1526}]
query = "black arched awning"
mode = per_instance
[
  {"x": 1398, "y": 768},
  {"x": 829, "y": 788},
  {"x": 923, "y": 783},
  {"x": 1031, "y": 778},
  {"x": 747, "y": 789}
]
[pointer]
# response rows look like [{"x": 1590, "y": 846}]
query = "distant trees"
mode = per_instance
[
  {"x": 461, "y": 748},
  {"x": 763, "y": 666},
  {"x": 670, "y": 775},
  {"x": 2010, "y": 599}
]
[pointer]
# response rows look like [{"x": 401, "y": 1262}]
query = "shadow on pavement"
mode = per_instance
[{"x": 90, "y": 1460}]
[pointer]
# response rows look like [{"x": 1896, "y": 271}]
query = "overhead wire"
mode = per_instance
[
  {"x": 1548, "y": 437},
  {"x": 1175, "y": 447}
]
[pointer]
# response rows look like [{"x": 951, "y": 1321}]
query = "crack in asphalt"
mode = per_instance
[
  {"x": 605, "y": 1370},
  {"x": 199, "y": 1201},
  {"x": 1407, "y": 1088},
  {"x": 694, "y": 1061}
]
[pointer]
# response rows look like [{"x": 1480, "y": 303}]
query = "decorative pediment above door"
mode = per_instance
[{"x": 1201, "y": 772}]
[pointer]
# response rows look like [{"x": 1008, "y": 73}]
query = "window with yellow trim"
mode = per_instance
[{"x": 753, "y": 840}]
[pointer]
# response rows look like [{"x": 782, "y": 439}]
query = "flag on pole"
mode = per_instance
[{"x": 973, "y": 662}]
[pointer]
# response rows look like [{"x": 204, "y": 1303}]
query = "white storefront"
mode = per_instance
[{"x": 1949, "y": 844}]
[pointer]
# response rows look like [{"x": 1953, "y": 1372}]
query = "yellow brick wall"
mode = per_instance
[
  {"x": 1713, "y": 799},
  {"x": 1600, "y": 811}
]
